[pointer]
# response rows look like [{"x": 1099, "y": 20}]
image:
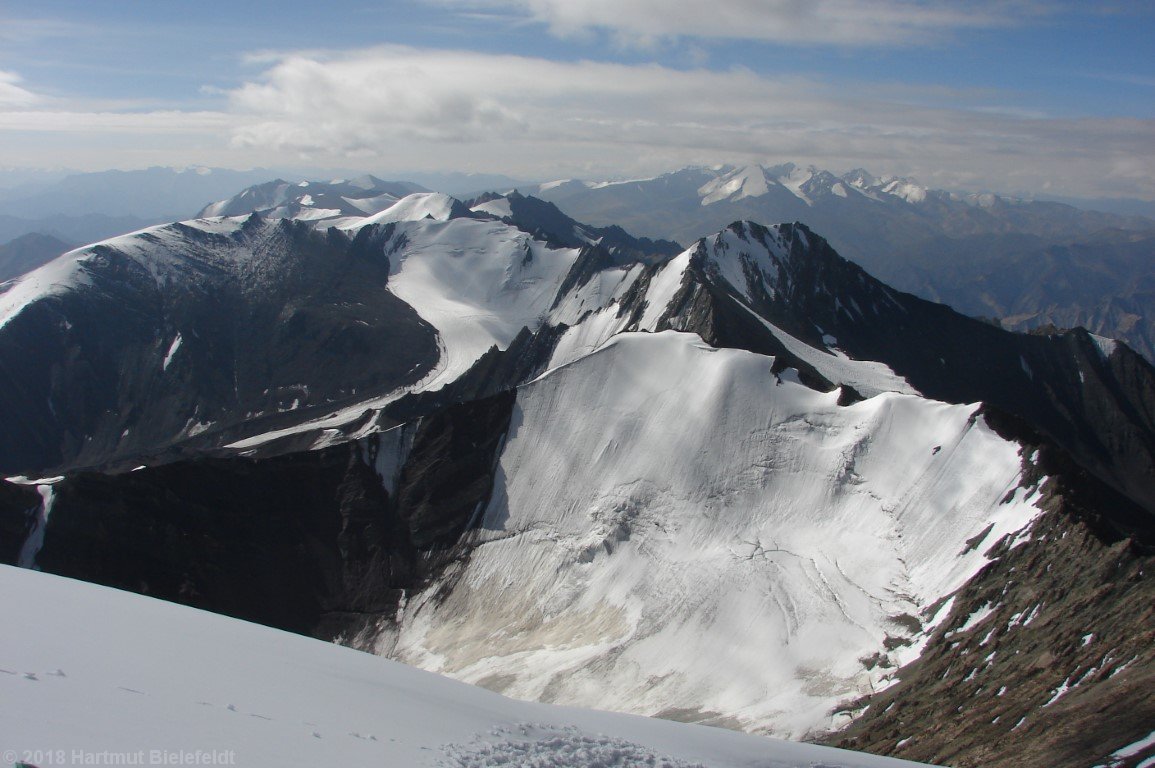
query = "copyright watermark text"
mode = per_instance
[{"x": 43, "y": 758}]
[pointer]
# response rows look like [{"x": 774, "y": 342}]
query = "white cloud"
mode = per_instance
[
  {"x": 81, "y": 122},
  {"x": 395, "y": 109},
  {"x": 12, "y": 94},
  {"x": 837, "y": 22},
  {"x": 440, "y": 110}
]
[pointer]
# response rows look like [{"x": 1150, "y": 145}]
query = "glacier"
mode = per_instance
[{"x": 678, "y": 531}]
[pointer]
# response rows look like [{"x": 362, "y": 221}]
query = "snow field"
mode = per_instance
[
  {"x": 676, "y": 531},
  {"x": 477, "y": 282},
  {"x": 94, "y": 674}
]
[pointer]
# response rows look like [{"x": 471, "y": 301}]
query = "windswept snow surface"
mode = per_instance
[
  {"x": 755, "y": 181},
  {"x": 32, "y": 545},
  {"x": 906, "y": 189},
  {"x": 591, "y": 312},
  {"x": 477, "y": 282},
  {"x": 94, "y": 676},
  {"x": 868, "y": 377},
  {"x": 1105, "y": 345},
  {"x": 499, "y": 207},
  {"x": 748, "y": 181},
  {"x": 64, "y": 273},
  {"x": 418, "y": 206},
  {"x": 793, "y": 178},
  {"x": 676, "y": 531}
]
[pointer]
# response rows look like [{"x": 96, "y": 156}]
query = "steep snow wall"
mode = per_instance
[{"x": 677, "y": 531}]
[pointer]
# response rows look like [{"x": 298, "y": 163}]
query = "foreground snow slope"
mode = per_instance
[
  {"x": 677, "y": 531},
  {"x": 90, "y": 675}
]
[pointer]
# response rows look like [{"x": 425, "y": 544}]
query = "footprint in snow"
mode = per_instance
[
  {"x": 30, "y": 676},
  {"x": 58, "y": 673}
]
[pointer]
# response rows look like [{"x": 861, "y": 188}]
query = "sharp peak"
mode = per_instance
[
  {"x": 367, "y": 178},
  {"x": 786, "y": 232}
]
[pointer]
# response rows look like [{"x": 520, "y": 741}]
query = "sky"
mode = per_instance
[{"x": 1044, "y": 97}]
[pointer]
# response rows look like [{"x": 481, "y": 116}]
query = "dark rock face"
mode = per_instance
[
  {"x": 18, "y": 507},
  {"x": 704, "y": 308},
  {"x": 1062, "y": 670},
  {"x": 545, "y": 221},
  {"x": 272, "y": 317},
  {"x": 449, "y": 472},
  {"x": 313, "y": 543}
]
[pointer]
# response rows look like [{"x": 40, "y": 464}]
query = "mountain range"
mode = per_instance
[
  {"x": 743, "y": 483},
  {"x": 1029, "y": 264}
]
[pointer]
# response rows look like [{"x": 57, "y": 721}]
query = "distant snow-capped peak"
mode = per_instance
[
  {"x": 326, "y": 201},
  {"x": 808, "y": 184},
  {"x": 755, "y": 181},
  {"x": 416, "y": 207},
  {"x": 748, "y": 181}
]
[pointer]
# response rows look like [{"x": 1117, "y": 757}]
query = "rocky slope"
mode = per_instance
[{"x": 1045, "y": 647}]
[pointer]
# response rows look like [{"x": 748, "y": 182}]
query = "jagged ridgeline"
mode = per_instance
[
  {"x": 741, "y": 483},
  {"x": 1028, "y": 263}
]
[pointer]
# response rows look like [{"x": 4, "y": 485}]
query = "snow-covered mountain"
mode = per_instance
[
  {"x": 1029, "y": 263},
  {"x": 817, "y": 533},
  {"x": 665, "y": 199},
  {"x": 348, "y": 203},
  {"x": 746, "y": 484},
  {"x": 545, "y": 221},
  {"x": 130, "y": 344},
  {"x": 314, "y": 200},
  {"x": 150, "y": 683}
]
